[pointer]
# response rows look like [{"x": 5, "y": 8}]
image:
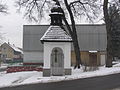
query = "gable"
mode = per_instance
[
  {"x": 5, "y": 45},
  {"x": 12, "y": 47}
]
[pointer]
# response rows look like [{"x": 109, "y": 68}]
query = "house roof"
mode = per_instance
[
  {"x": 13, "y": 47},
  {"x": 90, "y": 37},
  {"x": 56, "y": 33}
]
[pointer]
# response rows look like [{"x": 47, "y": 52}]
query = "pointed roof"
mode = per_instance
[
  {"x": 13, "y": 47},
  {"x": 56, "y": 33}
]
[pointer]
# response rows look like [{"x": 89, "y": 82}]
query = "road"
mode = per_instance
[{"x": 95, "y": 83}]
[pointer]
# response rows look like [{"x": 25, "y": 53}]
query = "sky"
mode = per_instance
[{"x": 11, "y": 25}]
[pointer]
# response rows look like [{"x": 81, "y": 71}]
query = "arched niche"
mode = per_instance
[{"x": 57, "y": 61}]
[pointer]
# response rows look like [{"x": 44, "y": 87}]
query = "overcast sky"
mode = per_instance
[{"x": 11, "y": 25}]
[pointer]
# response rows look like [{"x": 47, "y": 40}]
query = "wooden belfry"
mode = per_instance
[{"x": 57, "y": 46}]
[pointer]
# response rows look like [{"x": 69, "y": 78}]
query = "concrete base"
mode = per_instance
[
  {"x": 46, "y": 72},
  {"x": 68, "y": 71}
]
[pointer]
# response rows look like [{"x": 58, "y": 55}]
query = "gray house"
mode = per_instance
[{"x": 92, "y": 41}]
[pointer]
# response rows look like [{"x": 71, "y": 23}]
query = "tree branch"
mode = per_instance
[
  {"x": 78, "y": 1},
  {"x": 3, "y": 9}
]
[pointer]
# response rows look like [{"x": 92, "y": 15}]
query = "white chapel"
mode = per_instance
[{"x": 57, "y": 47}]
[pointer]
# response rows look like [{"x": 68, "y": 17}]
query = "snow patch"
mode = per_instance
[{"x": 32, "y": 77}]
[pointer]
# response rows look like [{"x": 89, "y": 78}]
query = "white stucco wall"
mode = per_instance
[
  {"x": 33, "y": 57},
  {"x": 65, "y": 46},
  {"x": 102, "y": 59}
]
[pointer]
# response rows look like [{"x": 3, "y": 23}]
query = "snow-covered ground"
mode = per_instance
[{"x": 20, "y": 78}]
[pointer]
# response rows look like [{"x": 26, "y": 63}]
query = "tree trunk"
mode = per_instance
[
  {"x": 72, "y": 32},
  {"x": 108, "y": 31},
  {"x": 75, "y": 44},
  {"x": 77, "y": 51},
  {"x": 74, "y": 36}
]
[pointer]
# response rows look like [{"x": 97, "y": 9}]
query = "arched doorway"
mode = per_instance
[{"x": 57, "y": 61}]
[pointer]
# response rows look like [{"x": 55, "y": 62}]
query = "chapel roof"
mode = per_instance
[{"x": 56, "y": 33}]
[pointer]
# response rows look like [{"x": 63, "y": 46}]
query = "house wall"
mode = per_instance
[
  {"x": 85, "y": 58},
  {"x": 102, "y": 58},
  {"x": 7, "y": 52},
  {"x": 33, "y": 57}
]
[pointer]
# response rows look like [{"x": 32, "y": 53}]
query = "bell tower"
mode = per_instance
[{"x": 56, "y": 16}]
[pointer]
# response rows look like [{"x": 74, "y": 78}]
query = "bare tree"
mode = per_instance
[
  {"x": 114, "y": 14},
  {"x": 74, "y": 9},
  {"x": 108, "y": 23},
  {"x": 3, "y": 8}
]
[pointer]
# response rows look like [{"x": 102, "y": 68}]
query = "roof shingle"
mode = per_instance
[{"x": 56, "y": 33}]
